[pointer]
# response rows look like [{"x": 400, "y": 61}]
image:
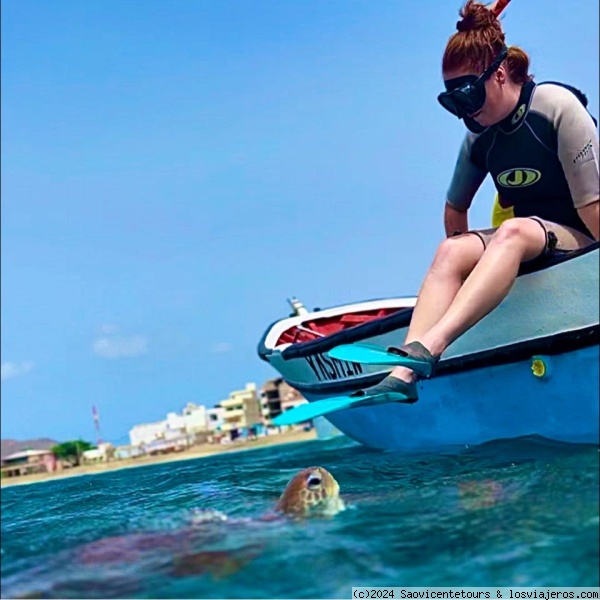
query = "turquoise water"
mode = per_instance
[{"x": 520, "y": 512}]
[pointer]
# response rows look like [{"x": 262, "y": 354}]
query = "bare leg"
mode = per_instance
[
  {"x": 455, "y": 259},
  {"x": 453, "y": 263},
  {"x": 517, "y": 240}
]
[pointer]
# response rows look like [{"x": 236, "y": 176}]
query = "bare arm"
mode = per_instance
[
  {"x": 455, "y": 220},
  {"x": 466, "y": 180},
  {"x": 590, "y": 215}
]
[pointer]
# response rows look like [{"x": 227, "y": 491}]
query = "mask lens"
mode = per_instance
[
  {"x": 457, "y": 83},
  {"x": 447, "y": 101},
  {"x": 463, "y": 100}
]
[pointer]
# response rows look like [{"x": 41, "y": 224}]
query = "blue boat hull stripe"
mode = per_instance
[{"x": 559, "y": 343}]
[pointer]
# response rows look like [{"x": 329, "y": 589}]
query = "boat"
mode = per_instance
[{"x": 530, "y": 367}]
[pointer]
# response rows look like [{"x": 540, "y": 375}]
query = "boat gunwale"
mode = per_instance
[
  {"x": 395, "y": 321},
  {"x": 551, "y": 345}
]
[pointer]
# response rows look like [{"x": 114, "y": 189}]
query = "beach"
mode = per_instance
[{"x": 198, "y": 451}]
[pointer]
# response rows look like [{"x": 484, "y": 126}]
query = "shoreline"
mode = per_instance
[{"x": 201, "y": 451}]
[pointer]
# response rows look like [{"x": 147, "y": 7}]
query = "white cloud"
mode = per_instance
[
  {"x": 10, "y": 370},
  {"x": 221, "y": 347},
  {"x": 120, "y": 347},
  {"x": 108, "y": 328}
]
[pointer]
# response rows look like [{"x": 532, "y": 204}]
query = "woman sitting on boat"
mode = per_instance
[{"x": 540, "y": 145}]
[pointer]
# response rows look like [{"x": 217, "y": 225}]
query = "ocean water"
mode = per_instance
[{"x": 518, "y": 512}]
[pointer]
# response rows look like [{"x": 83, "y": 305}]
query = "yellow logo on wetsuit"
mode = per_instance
[
  {"x": 518, "y": 114},
  {"x": 519, "y": 177}
]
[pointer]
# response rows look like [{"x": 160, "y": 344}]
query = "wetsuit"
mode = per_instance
[{"x": 543, "y": 158}]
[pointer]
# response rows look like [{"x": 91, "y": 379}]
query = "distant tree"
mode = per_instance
[{"x": 72, "y": 451}]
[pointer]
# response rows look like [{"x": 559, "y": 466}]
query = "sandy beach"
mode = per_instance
[{"x": 198, "y": 451}]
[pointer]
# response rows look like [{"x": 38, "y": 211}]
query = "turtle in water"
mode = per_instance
[{"x": 312, "y": 492}]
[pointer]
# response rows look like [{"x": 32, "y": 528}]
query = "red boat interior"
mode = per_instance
[{"x": 322, "y": 327}]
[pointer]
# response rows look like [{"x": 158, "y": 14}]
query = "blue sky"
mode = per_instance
[{"x": 172, "y": 171}]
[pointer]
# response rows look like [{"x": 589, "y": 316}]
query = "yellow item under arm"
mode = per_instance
[{"x": 499, "y": 214}]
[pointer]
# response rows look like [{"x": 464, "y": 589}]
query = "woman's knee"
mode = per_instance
[
  {"x": 458, "y": 254},
  {"x": 511, "y": 229},
  {"x": 526, "y": 234}
]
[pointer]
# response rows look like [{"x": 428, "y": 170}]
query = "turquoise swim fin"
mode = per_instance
[
  {"x": 318, "y": 408},
  {"x": 413, "y": 356}
]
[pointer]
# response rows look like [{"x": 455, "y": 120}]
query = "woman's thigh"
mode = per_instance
[{"x": 559, "y": 238}]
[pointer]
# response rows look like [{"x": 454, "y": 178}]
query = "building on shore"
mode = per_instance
[
  {"x": 146, "y": 433},
  {"x": 195, "y": 418},
  {"x": 175, "y": 433},
  {"x": 270, "y": 400},
  {"x": 103, "y": 453},
  {"x": 246, "y": 413},
  {"x": 127, "y": 451},
  {"x": 214, "y": 418},
  {"x": 214, "y": 423},
  {"x": 30, "y": 461},
  {"x": 241, "y": 413},
  {"x": 290, "y": 397},
  {"x": 276, "y": 397}
]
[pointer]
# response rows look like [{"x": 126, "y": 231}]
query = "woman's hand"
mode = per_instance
[{"x": 455, "y": 220}]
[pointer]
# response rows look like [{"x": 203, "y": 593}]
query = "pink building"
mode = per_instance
[{"x": 30, "y": 461}]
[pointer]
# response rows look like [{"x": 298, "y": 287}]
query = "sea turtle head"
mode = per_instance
[{"x": 312, "y": 491}]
